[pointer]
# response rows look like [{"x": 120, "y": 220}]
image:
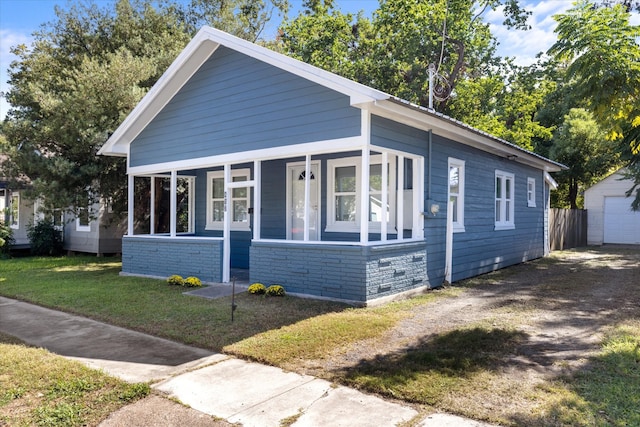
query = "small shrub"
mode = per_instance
[
  {"x": 6, "y": 240},
  {"x": 44, "y": 238},
  {"x": 257, "y": 289},
  {"x": 275, "y": 291},
  {"x": 175, "y": 280},
  {"x": 192, "y": 282}
]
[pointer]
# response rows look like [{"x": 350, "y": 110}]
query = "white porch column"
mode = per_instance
[
  {"x": 364, "y": 199},
  {"x": 385, "y": 196},
  {"x": 257, "y": 198},
  {"x": 365, "y": 131},
  {"x": 307, "y": 190},
  {"x": 152, "y": 208},
  {"x": 226, "y": 233},
  {"x": 174, "y": 202},
  {"x": 400, "y": 199},
  {"x": 130, "y": 198}
]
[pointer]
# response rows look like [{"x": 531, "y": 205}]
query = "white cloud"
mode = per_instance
[{"x": 8, "y": 39}]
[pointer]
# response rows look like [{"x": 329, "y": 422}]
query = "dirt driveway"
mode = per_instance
[{"x": 560, "y": 306}]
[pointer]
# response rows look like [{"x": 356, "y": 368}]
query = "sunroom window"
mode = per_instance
[
  {"x": 345, "y": 194},
  {"x": 152, "y": 206}
]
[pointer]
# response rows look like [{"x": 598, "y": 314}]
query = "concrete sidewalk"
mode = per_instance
[{"x": 215, "y": 384}]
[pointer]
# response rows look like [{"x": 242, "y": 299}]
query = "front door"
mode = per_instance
[{"x": 296, "y": 175}]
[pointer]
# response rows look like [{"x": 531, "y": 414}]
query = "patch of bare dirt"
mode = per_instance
[{"x": 562, "y": 304}]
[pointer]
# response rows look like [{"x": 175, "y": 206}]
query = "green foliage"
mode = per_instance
[
  {"x": 601, "y": 48},
  {"x": 6, "y": 240},
  {"x": 84, "y": 72},
  {"x": 392, "y": 52},
  {"x": 44, "y": 238},
  {"x": 275, "y": 291},
  {"x": 581, "y": 143},
  {"x": 257, "y": 289},
  {"x": 192, "y": 282},
  {"x": 175, "y": 280}
]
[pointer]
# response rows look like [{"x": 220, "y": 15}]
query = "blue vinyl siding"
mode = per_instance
[
  {"x": 235, "y": 103},
  {"x": 481, "y": 248}
]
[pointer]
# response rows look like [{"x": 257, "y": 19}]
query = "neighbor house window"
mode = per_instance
[
  {"x": 14, "y": 211},
  {"x": 239, "y": 200},
  {"x": 531, "y": 192},
  {"x": 343, "y": 199},
  {"x": 83, "y": 220},
  {"x": 3, "y": 206},
  {"x": 504, "y": 193},
  {"x": 456, "y": 193}
]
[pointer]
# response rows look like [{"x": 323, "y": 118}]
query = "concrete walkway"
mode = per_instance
[{"x": 215, "y": 384}]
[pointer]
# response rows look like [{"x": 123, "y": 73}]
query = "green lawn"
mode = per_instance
[
  {"x": 40, "y": 388},
  {"x": 455, "y": 371}
]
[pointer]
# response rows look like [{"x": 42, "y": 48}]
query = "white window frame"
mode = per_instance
[
  {"x": 235, "y": 225},
  {"x": 3, "y": 202},
  {"x": 531, "y": 192},
  {"x": 458, "y": 222},
  {"x": 504, "y": 203},
  {"x": 81, "y": 227},
  {"x": 354, "y": 226},
  {"x": 14, "y": 221}
]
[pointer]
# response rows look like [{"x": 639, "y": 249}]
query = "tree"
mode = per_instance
[
  {"x": 392, "y": 52},
  {"x": 581, "y": 143},
  {"x": 83, "y": 74},
  {"x": 601, "y": 47}
]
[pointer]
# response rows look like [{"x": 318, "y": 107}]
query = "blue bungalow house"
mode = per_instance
[{"x": 240, "y": 157}]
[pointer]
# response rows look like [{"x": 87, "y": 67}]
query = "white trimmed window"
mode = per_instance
[
  {"x": 456, "y": 193},
  {"x": 504, "y": 193},
  {"x": 531, "y": 192},
  {"x": 239, "y": 200},
  {"x": 83, "y": 220},
  {"x": 344, "y": 193},
  {"x": 3, "y": 201},
  {"x": 14, "y": 211}
]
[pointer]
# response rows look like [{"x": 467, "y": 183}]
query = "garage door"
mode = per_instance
[{"x": 621, "y": 224}]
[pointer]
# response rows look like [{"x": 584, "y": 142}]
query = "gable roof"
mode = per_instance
[{"x": 207, "y": 41}]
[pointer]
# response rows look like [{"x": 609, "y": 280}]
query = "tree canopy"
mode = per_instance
[{"x": 84, "y": 73}]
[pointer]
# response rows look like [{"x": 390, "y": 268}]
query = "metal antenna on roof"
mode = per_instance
[{"x": 439, "y": 87}]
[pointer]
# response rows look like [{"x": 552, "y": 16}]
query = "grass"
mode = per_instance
[
  {"x": 42, "y": 389},
  {"x": 466, "y": 370}
]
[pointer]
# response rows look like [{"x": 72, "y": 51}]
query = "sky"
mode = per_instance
[{"x": 20, "y": 18}]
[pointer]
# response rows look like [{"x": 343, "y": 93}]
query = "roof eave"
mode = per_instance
[{"x": 425, "y": 119}]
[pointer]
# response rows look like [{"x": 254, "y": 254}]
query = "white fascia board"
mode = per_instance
[
  {"x": 457, "y": 131},
  {"x": 298, "y": 150},
  {"x": 178, "y": 73}
]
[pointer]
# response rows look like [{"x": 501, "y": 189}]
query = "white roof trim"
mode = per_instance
[{"x": 199, "y": 49}]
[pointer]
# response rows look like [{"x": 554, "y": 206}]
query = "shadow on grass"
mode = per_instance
[
  {"x": 435, "y": 366},
  {"x": 605, "y": 392}
]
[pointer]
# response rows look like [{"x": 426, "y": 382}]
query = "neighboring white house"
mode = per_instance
[{"x": 609, "y": 215}]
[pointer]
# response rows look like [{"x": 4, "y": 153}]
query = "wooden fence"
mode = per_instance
[{"x": 567, "y": 228}]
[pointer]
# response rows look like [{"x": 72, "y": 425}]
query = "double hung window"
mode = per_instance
[
  {"x": 456, "y": 193},
  {"x": 504, "y": 194}
]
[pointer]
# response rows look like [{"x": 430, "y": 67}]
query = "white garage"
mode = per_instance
[{"x": 609, "y": 215}]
